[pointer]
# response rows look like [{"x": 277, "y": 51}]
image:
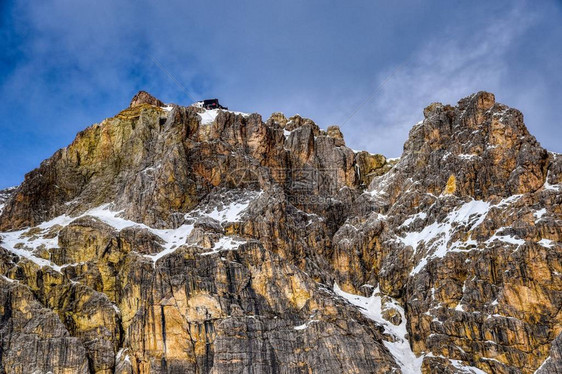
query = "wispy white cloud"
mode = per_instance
[
  {"x": 71, "y": 63},
  {"x": 444, "y": 69}
]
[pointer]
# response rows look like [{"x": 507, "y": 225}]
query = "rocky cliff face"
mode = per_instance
[{"x": 172, "y": 239}]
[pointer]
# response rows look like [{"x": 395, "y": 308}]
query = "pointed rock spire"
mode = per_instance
[{"x": 143, "y": 97}]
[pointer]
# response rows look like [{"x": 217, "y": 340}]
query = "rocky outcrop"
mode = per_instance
[
  {"x": 158, "y": 164},
  {"x": 481, "y": 147},
  {"x": 370, "y": 166},
  {"x": 470, "y": 239},
  {"x": 176, "y": 239},
  {"x": 143, "y": 97},
  {"x": 5, "y": 195}
]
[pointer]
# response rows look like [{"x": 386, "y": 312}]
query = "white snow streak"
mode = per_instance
[
  {"x": 539, "y": 213},
  {"x": 24, "y": 245},
  {"x": 226, "y": 243},
  {"x": 462, "y": 368},
  {"x": 436, "y": 237},
  {"x": 546, "y": 243},
  {"x": 465, "y": 156},
  {"x": 305, "y": 325},
  {"x": 544, "y": 362},
  {"x": 371, "y": 307},
  {"x": 210, "y": 115},
  {"x": 505, "y": 238},
  {"x": 415, "y": 217},
  {"x": 230, "y": 213}
]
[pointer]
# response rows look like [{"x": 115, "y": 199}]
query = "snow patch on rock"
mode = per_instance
[
  {"x": 539, "y": 214},
  {"x": 371, "y": 307},
  {"x": 437, "y": 236},
  {"x": 546, "y": 243},
  {"x": 209, "y": 116},
  {"x": 305, "y": 325},
  {"x": 25, "y": 243}
]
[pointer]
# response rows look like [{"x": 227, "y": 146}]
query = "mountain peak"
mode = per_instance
[
  {"x": 481, "y": 145},
  {"x": 190, "y": 240},
  {"x": 143, "y": 97}
]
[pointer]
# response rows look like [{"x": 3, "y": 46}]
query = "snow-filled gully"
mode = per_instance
[{"x": 371, "y": 307}]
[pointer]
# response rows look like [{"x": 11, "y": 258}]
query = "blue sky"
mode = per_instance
[{"x": 67, "y": 64}]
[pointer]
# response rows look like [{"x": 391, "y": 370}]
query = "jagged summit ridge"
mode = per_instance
[
  {"x": 172, "y": 238},
  {"x": 479, "y": 148},
  {"x": 158, "y": 162}
]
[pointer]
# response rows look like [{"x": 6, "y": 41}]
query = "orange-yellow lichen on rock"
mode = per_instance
[
  {"x": 135, "y": 112},
  {"x": 202, "y": 306},
  {"x": 451, "y": 185},
  {"x": 485, "y": 100},
  {"x": 298, "y": 292}
]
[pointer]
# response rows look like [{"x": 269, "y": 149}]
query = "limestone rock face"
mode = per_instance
[
  {"x": 173, "y": 239},
  {"x": 38, "y": 340}
]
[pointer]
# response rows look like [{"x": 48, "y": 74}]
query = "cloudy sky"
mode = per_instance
[{"x": 369, "y": 66}]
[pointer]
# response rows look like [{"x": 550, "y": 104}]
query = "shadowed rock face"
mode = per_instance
[{"x": 175, "y": 239}]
